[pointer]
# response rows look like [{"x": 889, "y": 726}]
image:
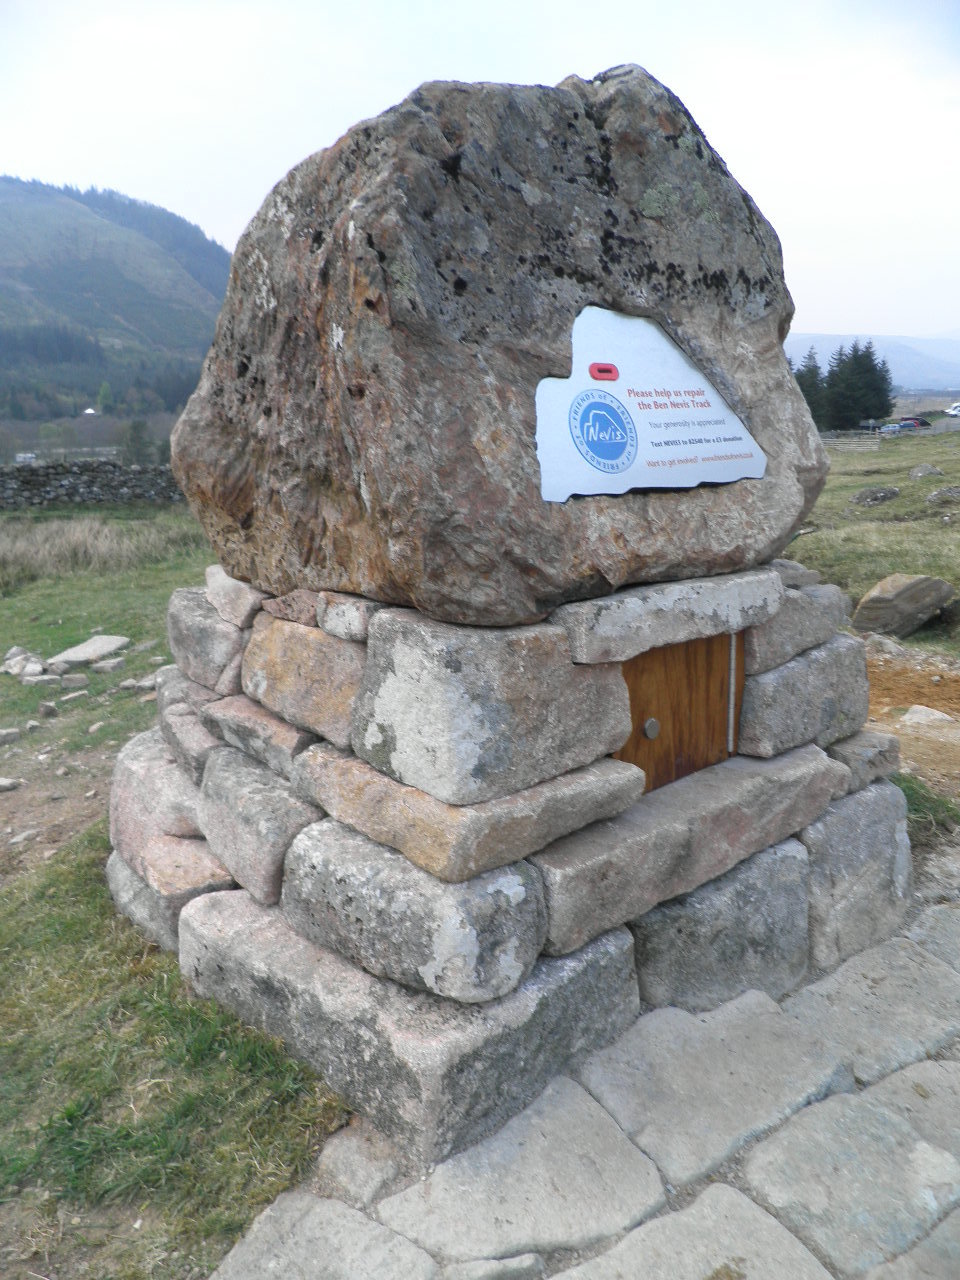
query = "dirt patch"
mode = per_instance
[
  {"x": 44, "y": 1238},
  {"x": 60, "y": 794},
  {"x": 901, "y": 680}
]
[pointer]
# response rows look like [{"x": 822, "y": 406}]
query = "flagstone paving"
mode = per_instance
[{"x": 814, "y": 1138}]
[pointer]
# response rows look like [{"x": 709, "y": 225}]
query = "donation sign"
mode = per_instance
[{"x": 635, "y": 413}]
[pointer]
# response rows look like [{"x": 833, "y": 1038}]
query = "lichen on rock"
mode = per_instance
[{"x": 365, "y": 420}]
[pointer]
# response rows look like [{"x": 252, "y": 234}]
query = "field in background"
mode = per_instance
[
  {"x": 140, "y": 1130},
  {"x": 856, "y": 545}
]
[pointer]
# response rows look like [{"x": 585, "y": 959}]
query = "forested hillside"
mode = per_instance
[{"x": 101, "y": 298}]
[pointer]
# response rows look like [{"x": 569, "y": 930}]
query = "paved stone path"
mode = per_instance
[{"x": 814, "y": 1138}]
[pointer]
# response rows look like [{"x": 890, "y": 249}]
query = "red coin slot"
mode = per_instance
[{"x": 604, "y": 372}]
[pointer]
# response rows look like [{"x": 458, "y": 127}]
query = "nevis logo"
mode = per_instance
[{"x": 603, "y": 431}]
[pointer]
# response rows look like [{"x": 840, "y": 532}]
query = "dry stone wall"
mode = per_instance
[
  {"x": 404, "y": 846},
  {"x": 50, "y": 484}
]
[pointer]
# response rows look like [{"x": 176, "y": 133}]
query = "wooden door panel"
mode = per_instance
[{"x": 685, "y": 688}]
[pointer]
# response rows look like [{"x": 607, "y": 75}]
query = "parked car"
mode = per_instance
[{"x": 914, "y": 424}]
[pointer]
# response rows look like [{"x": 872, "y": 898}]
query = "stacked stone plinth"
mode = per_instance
[{"x": 404, "y": 845}]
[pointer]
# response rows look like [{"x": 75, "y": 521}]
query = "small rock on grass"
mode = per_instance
[{"x": 9, "y": 784}]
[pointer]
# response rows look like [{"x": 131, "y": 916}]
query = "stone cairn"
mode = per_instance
[
  {"x": 381, "y": 815},
  {"x": 440, "y": 926}
]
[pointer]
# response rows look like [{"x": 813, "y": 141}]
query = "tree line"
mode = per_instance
[{"x": 856, "y": 388}]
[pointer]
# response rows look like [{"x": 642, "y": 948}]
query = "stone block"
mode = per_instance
[
  {"x": 455, "y": 842},
  {"x": 150, "y": 795},
  {"x": 253, "y": 729},
  {"x": 692, "y": 1089},
  {"x": 860, "y": 872},
  {"x": 230, "y": 680},
  {"x": 794, "y": 574},
  {"x": 174, "y": 687},
  {"x": 300, "y": 1232},
  {"x": 296, "y": 606},
  {"x": 433, "y": 1075},
  {"x": 561, "y": 1175},
  {"x": 615, "y": 628},
  {"x": 304, "y": 675},
  {"x": 855, "y": 1212},
  {"x": 677, "y": 838},
  {"x": 249, "y": 817},
  {"x": 235, "y": 601},
  {"x": 163, "y": 876},
  {"x": 820, "y": 696},
  {"x": 883, "y": 1009},
  {"x": 721, "y": 1236},
  {"x": 344, "y": 615},
  {"x": 189, "y": 742},
  {"x": 469, "y": 942},
  {"x": 469, "y": 715},
  {"x": 746, "y": 929},
  {"x": 869, "y": 756},
  {"x": 807, "y": 617},
  {"x": 202, "y": 643}
]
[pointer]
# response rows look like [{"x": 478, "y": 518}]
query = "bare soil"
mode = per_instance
[{"x": 899, "y": 681}]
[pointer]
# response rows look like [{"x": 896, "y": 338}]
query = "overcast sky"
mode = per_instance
[{"x": 840, "y": 117}]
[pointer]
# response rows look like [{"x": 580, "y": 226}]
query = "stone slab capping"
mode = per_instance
[
  {"x": 618, "y": 627},
  {"x": 403, "y": 845}
]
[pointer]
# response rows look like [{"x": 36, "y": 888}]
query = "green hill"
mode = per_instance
[{"x": 94, "y": 288}]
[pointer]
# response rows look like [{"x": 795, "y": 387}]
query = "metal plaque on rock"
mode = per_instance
[{"x": 635, "y": 413}]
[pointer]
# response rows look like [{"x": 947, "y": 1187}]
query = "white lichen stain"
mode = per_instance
[
  {"x": 263, "y": 295},
  {"x": 425, "y": 754},
  {"x": 935, "y": 1173},
  {"x": 510, "y": 885},
  {"x": 456, "y": 950}
]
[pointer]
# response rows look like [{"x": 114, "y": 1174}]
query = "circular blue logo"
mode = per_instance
[{"x": 603, "y": 431}]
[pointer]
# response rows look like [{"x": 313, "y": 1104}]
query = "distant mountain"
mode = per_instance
[
  {"x": 916, "y": 364},
  {"x": 96, "y": 287}
]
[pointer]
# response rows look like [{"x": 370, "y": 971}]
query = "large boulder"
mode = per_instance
[{"x": 365, "y": 421}]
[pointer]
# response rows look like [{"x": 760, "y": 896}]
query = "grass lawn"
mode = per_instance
[
  {"x": 855, "y": 546},
  {"x": 140, "y": 1129}
]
